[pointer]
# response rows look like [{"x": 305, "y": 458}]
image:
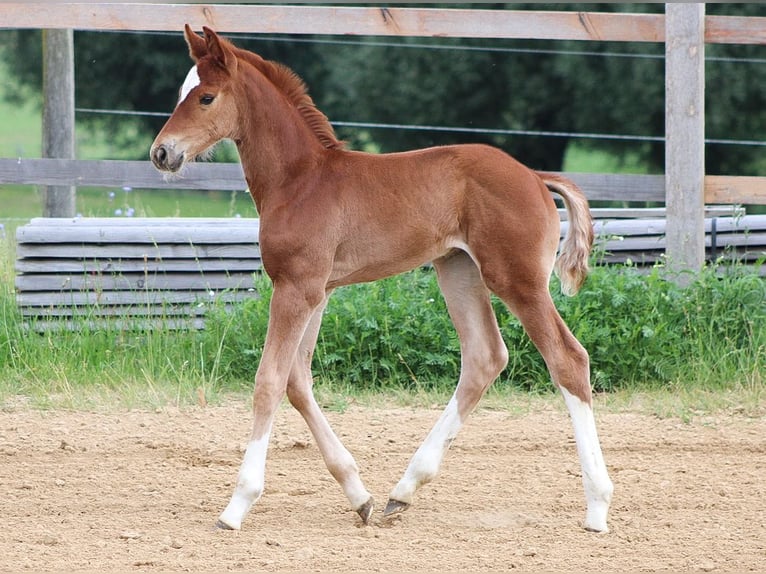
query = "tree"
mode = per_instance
[{"x": 517, "y": 85}]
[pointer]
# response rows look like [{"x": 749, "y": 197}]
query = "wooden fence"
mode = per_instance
[{"x": 684, "y": 29}]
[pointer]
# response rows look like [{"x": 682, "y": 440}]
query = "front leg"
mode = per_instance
[
  {"x": 425, "y": 463},
  {"x": 289, "y": 314},
  {"x": 250, "y": 484},
  {"x": 338, "y": 459}
]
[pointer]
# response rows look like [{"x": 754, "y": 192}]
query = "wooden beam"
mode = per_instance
[
  {"x": 229, "y": 177},
  {"x": 58, "y": 115},
  {"x": 149, "y": 231},
  {"x": 479, "y": 23},
  {"x": 44, "y": 264},
  {"x": 735, "y": 29},
  {"x": 735, "y": 189},
  {"x": 620, "y": 187},
  {"x": 274, "y": 19},
  {"x": 131, "y": 297},
  {"x": 685, "y": 135},
  {"x": 141, "y": 251},
  {"x": 55, "y": 281},
  {"x": 119, "y": 173}
]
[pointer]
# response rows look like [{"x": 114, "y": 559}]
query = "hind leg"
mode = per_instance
[
  {"x": 568, "y": 364},
  {"x": 483, "y": 356}
]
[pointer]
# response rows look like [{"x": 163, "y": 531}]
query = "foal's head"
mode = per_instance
[{"x": 206, "y": 112}]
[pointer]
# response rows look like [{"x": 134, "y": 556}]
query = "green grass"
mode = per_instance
[
  {"x": 586, "y": 159},
  {"x": 20, "y": 130},
  {"x": 654, "y": 347},
  {"x": 672, "y": 351},
  {"x": 24, "y": 202}
]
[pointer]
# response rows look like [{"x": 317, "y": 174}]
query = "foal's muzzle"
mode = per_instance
[{"x": 165, "y": 158}]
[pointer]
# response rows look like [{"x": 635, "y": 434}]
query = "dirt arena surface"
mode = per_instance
[{"x": 140, "y": 491}]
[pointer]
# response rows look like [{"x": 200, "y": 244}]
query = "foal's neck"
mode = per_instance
[{"x": 276, "y": 146}]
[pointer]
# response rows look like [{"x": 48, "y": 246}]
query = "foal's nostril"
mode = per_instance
[
  {"x": 160, "y": 155},
  {"x": 166, "y": 158}
]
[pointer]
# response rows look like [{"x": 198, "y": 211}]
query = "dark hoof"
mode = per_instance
[
  {"x": 365, "y": 511},
  {"x": 222, "y": 526},
  {"x": 395, "y": 507}
]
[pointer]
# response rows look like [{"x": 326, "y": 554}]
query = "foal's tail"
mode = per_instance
[{"x": 572, "y": 263}]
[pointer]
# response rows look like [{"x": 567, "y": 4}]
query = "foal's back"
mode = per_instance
[{"x": 392, "y": 212}]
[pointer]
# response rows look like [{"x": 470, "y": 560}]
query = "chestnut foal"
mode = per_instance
[{"x": 331, "y": 217}]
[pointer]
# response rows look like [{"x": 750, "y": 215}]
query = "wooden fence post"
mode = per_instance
[
  {"x": 58, "y": 115},
  {"x": 685, "y": 135}
]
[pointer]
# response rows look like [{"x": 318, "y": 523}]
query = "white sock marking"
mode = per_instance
[
  {"x": 598, "y": 486},
  {"x": 249, "y": 484},
  {"x": 191, "y": 82},
  {"x": 425, "y": 463}
]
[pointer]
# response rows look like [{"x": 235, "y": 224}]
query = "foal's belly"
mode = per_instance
[{"x": 387, "y": 258}]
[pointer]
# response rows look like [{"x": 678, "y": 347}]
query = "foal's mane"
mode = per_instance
[{"x": 294, "y": 89}]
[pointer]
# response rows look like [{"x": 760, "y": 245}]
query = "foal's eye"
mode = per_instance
[{"x": 206, "y": 99}]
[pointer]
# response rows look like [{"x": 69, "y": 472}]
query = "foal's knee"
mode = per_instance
[
  {"x": 489, "y": 363},
  {"x": 299, "y": 385},
  {"x": 497, "y": 361}
]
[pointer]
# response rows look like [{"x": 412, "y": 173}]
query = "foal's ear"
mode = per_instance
[
  {"x": 197, "y": 44},
  {"x": 219, "y": 51}
]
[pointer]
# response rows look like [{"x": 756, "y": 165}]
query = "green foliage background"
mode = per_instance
[
  {"x": 529, "y": 85},
  {"x": 640, "y": 329}
]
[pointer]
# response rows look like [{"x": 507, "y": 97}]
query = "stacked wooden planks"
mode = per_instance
[
  {"x": 729, "y": 237},
  {"x": 147, "y": 271},
  {"x": 133, "y": 271}
]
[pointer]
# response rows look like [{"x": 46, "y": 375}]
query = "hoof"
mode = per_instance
[
  {"x": 599, "y": 527},
  {"x": 222, "y": 526},
  {"x": 395, "y": 507},
  {"x": 596, "y": 516},
  {"x": 365, "y": 511}
]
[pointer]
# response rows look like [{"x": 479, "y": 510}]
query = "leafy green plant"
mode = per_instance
[{"x": 641, "y": 329}]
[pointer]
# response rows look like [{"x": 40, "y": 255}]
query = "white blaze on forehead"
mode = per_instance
[{"x": 191, "y": 82}]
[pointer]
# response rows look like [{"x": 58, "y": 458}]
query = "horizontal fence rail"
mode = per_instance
[
  {"x": 119, "y": 173},
  {"x": 229, "y": 177},
  {"x": 369, "y": 21},
  {"x": 339, "y": 20}
]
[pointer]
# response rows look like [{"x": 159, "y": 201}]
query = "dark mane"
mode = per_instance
[{"x": 294, "y": 89}]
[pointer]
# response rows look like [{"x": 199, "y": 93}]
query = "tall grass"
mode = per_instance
[
  {"x": 88, "y": 365},
  {"x": 643, "y": 332}
]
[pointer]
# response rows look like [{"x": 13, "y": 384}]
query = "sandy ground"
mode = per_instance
[{"x": 140, "y": 491}]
